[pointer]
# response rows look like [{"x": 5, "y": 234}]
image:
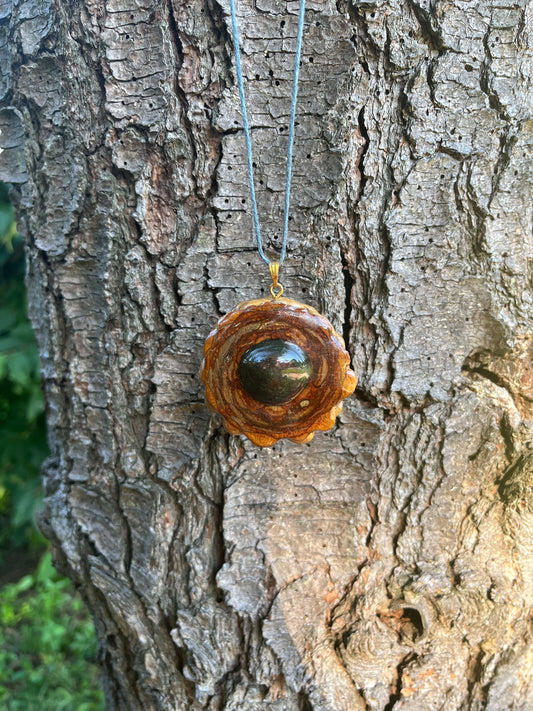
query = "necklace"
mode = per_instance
[{"x": 275, "y": 368}]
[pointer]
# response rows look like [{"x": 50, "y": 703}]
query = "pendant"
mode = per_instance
[{"x": 276, "y": 369}]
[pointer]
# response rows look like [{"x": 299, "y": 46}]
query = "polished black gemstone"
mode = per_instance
[{"x": 274, "y": 371}]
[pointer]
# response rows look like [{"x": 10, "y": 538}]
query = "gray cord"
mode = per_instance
[{"x": 248, "y": 138}]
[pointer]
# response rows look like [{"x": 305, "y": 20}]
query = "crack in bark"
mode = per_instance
[
  {"x": 474, "y": 673},
  {"x": 485, "y": 82},
  {"x": 219, "y": 311},
  {"x": 516, "y": 480},
  {"x": 473, "y": 366},
  {"x": 203, "y": 197},
  {"x": 397, "y": 693},
  {"x": 180, "y": 93},
  {"x": 304, "y": 702},
  {"x": 508, "y": 137},
  {"x": 430, "y": 34},
  {"x": 507, "y": 140},
  {"x": 362, "y": 153},
  {"x": 349, "y": 284}
]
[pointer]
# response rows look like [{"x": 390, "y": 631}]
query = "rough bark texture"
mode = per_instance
[{"x": 389, "y": 564}]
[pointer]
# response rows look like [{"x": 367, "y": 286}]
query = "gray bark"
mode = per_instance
[{"x": 389, "y": 563}]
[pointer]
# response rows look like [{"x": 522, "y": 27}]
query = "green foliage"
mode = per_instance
[
  {"x": 8, "y": 229},
  {"x": 47, "y": 646},
  {"x": 22, "y": 428}
]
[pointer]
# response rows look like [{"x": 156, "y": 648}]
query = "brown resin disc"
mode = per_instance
[{"x": 276, "y": 369}]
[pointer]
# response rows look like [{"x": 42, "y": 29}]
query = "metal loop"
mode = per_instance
[{"x": 276, "y": 289}]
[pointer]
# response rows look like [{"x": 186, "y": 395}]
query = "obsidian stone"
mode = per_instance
[{"x": 274, "y": 371}]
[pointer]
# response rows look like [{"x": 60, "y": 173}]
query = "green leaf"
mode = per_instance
[
  {"x": 35, "y": 404},
  {"x": 8, "y": 229},
  {"x": 45, "y": 570},
  {"x": 20, "y": 368},
  {"x": 24, "y": 583},
  {"x": 9, "y": 344},
  {"x": 8, "y": 318},
  {"x": 25, "y": 505}
]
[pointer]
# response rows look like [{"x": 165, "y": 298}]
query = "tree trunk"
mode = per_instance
[{"x": 388, "y": 563}]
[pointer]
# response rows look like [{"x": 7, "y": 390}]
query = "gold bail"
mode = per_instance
[{"x": 276, "y": 289}]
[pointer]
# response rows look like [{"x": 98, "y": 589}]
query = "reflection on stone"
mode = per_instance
[{"x": 274, "y": 371}]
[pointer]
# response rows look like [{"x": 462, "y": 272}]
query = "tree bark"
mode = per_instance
[{"x": 388, "y": 564}]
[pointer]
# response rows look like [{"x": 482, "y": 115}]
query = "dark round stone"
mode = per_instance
[{"x": 274, "y": 371}]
